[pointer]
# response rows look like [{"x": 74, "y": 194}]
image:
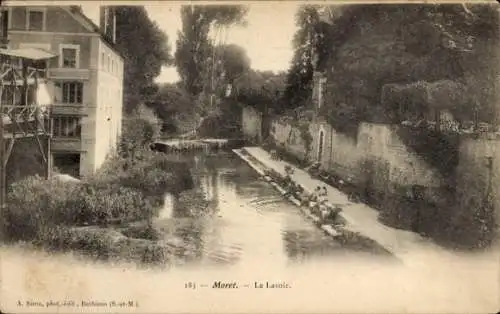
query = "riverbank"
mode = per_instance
[
  {"x": 107, "y": 215},
  {"x": 360, "y": 219},
  {"x": 337, "y": 227}
]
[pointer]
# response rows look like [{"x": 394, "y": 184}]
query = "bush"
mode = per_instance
[
  {"x": 112, "y": 204},
  {"x": 130, "y": 186},
  {"x": 140, "y": 129},
  {"x": 142, "y": 232},
  {"x": 34, "y": 203},
  {"x": 122, "y": 191},
  {"x": 153, "y": 173}
]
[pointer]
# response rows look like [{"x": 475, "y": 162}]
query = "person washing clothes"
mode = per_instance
[
  {"x": 323, "y": 209},
  {"x": 314, "y": 200}
]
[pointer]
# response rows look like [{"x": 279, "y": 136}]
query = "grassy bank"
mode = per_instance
[{"x": 91, "y": 215}]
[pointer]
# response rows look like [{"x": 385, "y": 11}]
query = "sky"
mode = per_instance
[{"x": 266, "y": 38}]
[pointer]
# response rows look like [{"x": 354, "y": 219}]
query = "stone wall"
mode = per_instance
[
  {"x": 382, "y": 166},
  {"x": 375, "y": 143},
  {"x": 285, "y": 134},
  {"x": 252, "y": 124},
  {"x": 476, "y": 175},
  {"x": 340, "y": 153},
  {"x": 377, "y": 156},
  {"x": 382, "y": 169}
]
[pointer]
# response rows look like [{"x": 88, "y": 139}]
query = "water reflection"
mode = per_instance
[{"x": 252, "y": 222}]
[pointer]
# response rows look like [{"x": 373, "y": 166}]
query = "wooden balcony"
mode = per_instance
[
  {"x": 68, "y": 74},
  {"x": 63, "y": 109},
  {"x": 25, "y": 121},
  {"x": 66, "y": 144}
]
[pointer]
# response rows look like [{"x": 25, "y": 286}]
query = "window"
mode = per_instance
[
  {"x": 67, "y": 127},
  {"x": 72, "y": 92},
  {"x": 108, "y": 61},
  {"x": 35, "y": 19},
  {"x": 112, "y": 66},
  {"x": 69, "y": 56},
  {"x": 103, "y": 63}
]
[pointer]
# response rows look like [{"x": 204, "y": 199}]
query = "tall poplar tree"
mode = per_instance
[{"x": 145, "y": 48}]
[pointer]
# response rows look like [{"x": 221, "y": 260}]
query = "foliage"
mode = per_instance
[
  {"x": 219, "y": 126},
  {"x": 145, "y": 49},
  {"x": 343, "y": 117},
  {"x": 432, "y": 44},
  {"x": 142, "y": 232},
  {"x": 306, "y": 137},
  {"x": 104, "y": 243},
  {"x": 113, "y": 195},
  {"x": 439, "y": 150},
  {"x": 128, "y": 187},
  {"x": 474, "y": 224},
  {"x": 173, "y": 105},
  {"x": 151, "y": 172},
  {"x": 96, "y": 243},
  {"x": 260, "y": 90},
  {"x": 194, "y": 48},
  {"x": 33, "y": 204},
  {"x": 139, "y": 129},
  {"x": 310, "y": 51},
  {"x": 235, "y": 61}
]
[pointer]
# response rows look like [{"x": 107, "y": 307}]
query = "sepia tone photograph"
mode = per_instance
[{"x": 249, "y": 157}]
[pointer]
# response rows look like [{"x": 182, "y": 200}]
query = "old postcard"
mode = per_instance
[{"x": 249, "y": 157}]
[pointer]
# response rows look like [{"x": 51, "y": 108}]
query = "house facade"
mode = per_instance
[{"x": 85, "y": 80}]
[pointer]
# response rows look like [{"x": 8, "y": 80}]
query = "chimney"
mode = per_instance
[
  {"x": 4, "y": 25},
  {"x": 113, "y": 25},
  {"x": 102, "y": 18},
  {"x": 108, "y": 22}
]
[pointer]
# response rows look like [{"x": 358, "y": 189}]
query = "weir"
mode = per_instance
[{"x": 199, "y": 145}]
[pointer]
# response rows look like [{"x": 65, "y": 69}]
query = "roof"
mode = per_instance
[
  {"x": 28, "y": 53},
  {"x": 77, "y": 11}
]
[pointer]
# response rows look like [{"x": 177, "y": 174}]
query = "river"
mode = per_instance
[
  {"x": 251, "y": 221},
  {"x": 253, "y": 236}
]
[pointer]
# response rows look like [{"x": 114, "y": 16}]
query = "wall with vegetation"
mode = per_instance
[
  {"x": 392, "y": 45},
  {"x": 478, "y": 184}
]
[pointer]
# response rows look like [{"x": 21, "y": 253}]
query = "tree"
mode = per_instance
[
  {"x": 145, "y": 48},
  {"x": 195, "y": 54},
  {"x": 310, "y": 50},
  {"x": 427, "y": 43},
  {"x": 140, "y": 129},
  {"x": 234, "y": 61},
  {"x": 260, "y": 89},
  {"x": 172, "y": 103}
]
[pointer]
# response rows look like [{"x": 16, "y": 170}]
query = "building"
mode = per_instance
[{"x": 85, "y": 80}]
